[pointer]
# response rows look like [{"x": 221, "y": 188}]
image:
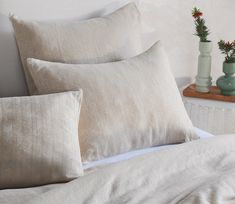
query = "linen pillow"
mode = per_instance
[
  {"x": 39, "y": 139},
  {"x": 110, "y": 38},
  {"x": 127, "y": 105}
]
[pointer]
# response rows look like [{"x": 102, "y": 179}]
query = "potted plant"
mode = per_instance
[
  {"x": 226, "y": 83},
  {"x": 203, "y": 78}
]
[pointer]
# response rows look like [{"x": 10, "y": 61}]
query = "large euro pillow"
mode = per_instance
[
  {"x": 127, "y": 105},
  {"x": 110, "y": 38},
  {"x": 39, "y": 140}
]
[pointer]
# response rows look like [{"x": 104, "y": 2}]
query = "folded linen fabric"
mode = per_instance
[
  {"x": 130, "y": 104},
  {"x": 200, "y": 172},
  {"x": 105, "y": 39},
  {"x": 39, "y": 139}
]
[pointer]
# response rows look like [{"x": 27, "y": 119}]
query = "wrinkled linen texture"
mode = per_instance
[
  {"x": 110, "y": 38},
  {"x": 39, "y": 139},
  {"x": 199, "y": 172},
  {"x": 129, "y": 104}
]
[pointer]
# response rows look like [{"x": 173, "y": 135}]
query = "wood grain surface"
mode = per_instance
[{"x": 214, "y": 94}]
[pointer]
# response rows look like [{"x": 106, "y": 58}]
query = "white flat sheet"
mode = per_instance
[{"x": 202, "y": 134}]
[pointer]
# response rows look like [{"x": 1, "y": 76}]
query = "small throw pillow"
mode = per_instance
[
  {"x": 39, "y": 139},
  {"x": 127, "y": 105},
  {"x": 105, "y": 39}
]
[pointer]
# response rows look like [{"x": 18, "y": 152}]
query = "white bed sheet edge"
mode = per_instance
[{"x": 201, "y": 133}]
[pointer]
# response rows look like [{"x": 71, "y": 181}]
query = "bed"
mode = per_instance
[
  {"x": 28, "y": 195},
  {"x": 199, "y": 172},
  {"x": 201, "y": 175}
]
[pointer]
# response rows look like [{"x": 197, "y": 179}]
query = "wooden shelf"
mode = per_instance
[{"x": 214, "y": 94}]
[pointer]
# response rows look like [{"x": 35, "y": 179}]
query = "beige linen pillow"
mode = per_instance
[
  {"x": 105, "y": 39},
  {"x": 39, "y": 139},
  {"x": 127, "y": 105}
]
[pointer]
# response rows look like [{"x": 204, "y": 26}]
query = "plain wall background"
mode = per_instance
[
  {"x": 168, "y": 20},
  {"x": 171, "y": 21}
]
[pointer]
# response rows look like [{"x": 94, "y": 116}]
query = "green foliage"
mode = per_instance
[
  {"x": 228, "y": 49},
  {"x": 201, "y": 29}
]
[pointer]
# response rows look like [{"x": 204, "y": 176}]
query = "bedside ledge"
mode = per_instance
[{"x": 216, "y": 117}]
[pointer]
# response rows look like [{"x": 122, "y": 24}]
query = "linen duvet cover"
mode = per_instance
[{"x": 199, "y": 172}]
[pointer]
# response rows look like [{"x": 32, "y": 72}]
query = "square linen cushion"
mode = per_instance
[
  {"x": 110, "y": 38},
  {"x": 127, "y": 105},
  {"x": 39, "y": 139}
]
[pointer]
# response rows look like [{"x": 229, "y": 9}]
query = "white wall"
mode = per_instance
[
  {"x": 168, "y": 20},
  {"x": 171, "y": 21}
]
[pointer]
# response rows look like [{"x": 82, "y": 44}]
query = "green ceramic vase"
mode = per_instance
[
  {"x": 227, "y": 83},
  {"x": 203, "y": 78}
]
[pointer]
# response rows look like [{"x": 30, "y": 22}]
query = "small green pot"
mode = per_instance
[{"x": 227, "y": 83}]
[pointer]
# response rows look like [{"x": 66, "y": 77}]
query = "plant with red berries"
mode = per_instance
[
  {"x": 227, "y": 48},
  {"x": 201, "y": 29}
]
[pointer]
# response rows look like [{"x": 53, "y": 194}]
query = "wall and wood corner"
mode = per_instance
[{"x": 167, "y": 20}]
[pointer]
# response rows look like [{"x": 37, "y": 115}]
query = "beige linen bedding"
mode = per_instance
[
  {"x": 39, "y": 139},
  {"x": 199, "y": 172},
  {"x": 125, "y": 104},
  {"x": 109, "y": 38}
]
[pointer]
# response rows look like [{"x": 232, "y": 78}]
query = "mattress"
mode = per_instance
[{"x": 23, "y": 195}]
